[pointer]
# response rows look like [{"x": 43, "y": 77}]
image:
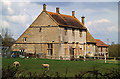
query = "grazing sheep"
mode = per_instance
[
  {"x": 16, "y": 63},
  {"x": 46, "y": 66}
]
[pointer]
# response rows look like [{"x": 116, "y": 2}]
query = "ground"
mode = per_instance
[{"x": 61, "y": 66}]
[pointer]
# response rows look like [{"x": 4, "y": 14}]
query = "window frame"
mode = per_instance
[
  {"x": 80, "y": 32},
  {"x": 25, "y": 39},
  {"x": 73, "y": 32}
]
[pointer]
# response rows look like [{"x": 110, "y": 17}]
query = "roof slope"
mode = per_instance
[
  {"x": 66, "y": 20},
  {"x": 90, "y": 38},
  {"x": 100, "y": 43}
]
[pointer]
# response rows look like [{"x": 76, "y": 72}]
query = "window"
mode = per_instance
[
  {"x": 73, "y": 32},
  {"x": 101, "y": 49},
  {"x": 50, "y": 49},
  {"x": 65, "y": 31},
  {"x": 66, "y": 47},
  {"x": 80, "y": 31},
  {"x": 40, "y": 29},
  {"x": 106, "y": 49},
  {"x": 22, "y": 51},
  {"x": 25, "y": 39}
]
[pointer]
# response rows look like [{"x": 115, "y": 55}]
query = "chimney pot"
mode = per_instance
[
  {"x": 57, "y": 10},
  {"x": 44, "y": 7},
  {"x": 83, "y": 20},
  {"x": 73, "y": 13}
]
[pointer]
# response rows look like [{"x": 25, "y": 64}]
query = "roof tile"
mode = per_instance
[{"x": 100, "y": 43}]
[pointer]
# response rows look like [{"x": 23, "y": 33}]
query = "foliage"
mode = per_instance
[
  {"x": 15, "y": 73},
  {"x": 114, "y": 50},
  {"x": 7, "y": 41}
]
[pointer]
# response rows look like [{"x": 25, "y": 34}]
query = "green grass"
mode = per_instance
[{"x": 73, "y": 67}]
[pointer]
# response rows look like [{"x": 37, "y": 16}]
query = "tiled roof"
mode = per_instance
[
  {"x": 66, "y": 20},
  {"x": 90, "y": 38},
  {"x": 100, "y": 43}
]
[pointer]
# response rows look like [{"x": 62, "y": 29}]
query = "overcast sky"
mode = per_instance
[{"x": 101, "y": 18}]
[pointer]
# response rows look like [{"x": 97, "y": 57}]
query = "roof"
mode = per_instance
[
  {"x": 66, "y": 20},
  {"x": 100, "y": 43},
  {"x": 90, "y": 38}
]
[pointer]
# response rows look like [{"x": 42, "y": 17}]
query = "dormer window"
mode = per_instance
[{"x": 25, "y": 39}]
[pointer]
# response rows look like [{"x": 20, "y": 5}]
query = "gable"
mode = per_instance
[{"x": 43, "y": 20}]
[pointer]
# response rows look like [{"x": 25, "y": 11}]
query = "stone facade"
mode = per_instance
[{"x": 57, "y": 36}]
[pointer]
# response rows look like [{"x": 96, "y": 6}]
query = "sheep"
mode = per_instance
[
  {"x": 46, "y": 66},
  {"x": 16, "y": 63}
]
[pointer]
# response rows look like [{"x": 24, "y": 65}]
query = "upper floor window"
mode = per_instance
[
  {"x": 40, "y": 29},
  {"x": 25, "y": 39},
  {"x": 101, "y": 49},
  {"x": 65, "y": 31},
  {"x": 73, "y": 32},
  {"x": 80, "y": 31}
]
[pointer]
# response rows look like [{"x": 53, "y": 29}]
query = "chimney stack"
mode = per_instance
[
  {"x": 44, "y": 7},
  {"x": 83, "y": 19},
  {"x": 73, "y": 13},
  {"x": 57, "y": 10}
]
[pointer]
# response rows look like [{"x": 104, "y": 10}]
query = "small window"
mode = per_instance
[
  {"x": 40, "y": 29},
  {"x": 80, "y": 33},
  {"x": 25, "y": 39},
  {"x": 101, "y": 49},
  {"x": 22, "y": 51}
]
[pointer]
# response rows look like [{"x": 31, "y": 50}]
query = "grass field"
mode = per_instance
[{"x": 72, "y": 67}]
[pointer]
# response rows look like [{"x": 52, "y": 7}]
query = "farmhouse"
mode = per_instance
[{"x": 56, "y": 35}]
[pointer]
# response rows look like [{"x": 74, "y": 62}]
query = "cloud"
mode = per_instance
[
  {"x": 89, "y": 23},
  {"x": 18, "y": 19},
  {"x": 112, "y": 29},
  {"x": 6, "y": 7},
  {"x": 5, "y": 24},
  {"x": 102, "y": 21}
]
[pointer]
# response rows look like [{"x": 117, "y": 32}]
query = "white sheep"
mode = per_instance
[
  {"x": 46, "y": 66},
  {"x": 16, "y": 63}
]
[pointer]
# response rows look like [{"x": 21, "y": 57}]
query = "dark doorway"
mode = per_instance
[{"x": 72, "y": 53}]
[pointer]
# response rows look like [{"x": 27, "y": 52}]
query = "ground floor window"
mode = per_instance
[
  {"x": 50, "y": 49},
  {"x": 22, "y": 51},
  {"x": 65, "y": 48}
]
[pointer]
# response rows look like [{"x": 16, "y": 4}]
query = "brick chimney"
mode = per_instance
[
  {"x": 73, "y": 13},
  {"x": 83, "y": 19},
  {"x": 57, "y": 10},
  {"x": 44, "y": 7}
]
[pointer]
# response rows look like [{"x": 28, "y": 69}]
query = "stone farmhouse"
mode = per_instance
[{"x": 56, "y": 35}]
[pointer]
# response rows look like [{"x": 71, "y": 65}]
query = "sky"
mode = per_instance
[{"x": 101, "y": 18}]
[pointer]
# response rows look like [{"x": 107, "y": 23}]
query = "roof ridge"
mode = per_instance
[{"x": 68, "y": 20}]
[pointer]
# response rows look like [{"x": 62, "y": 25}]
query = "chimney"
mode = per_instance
[
  {"x": 83, "y": 19},
  {"x": 73, "y": 13},
  {"x": 44, "y": 7},
  {"x": 57, "y": 10}
]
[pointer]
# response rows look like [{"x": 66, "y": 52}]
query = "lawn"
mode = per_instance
[{"x": 72, "y": 67}]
